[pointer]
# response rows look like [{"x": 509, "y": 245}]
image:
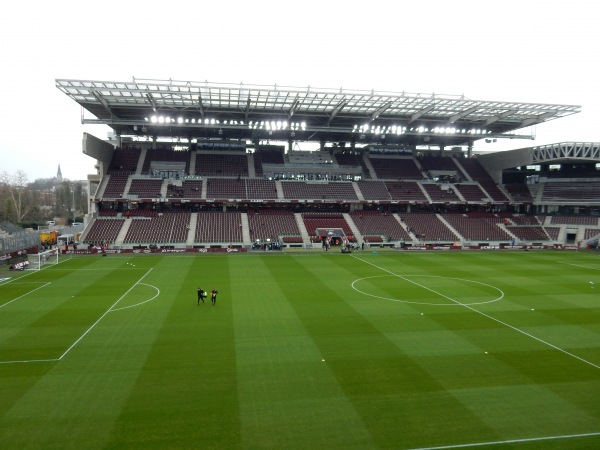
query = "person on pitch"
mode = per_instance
[
  {"x": 201, "y": 295},
  {"x": 213, "y": 296}
]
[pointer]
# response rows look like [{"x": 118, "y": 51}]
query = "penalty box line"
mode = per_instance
[
  {"x": 24, "y": 295},
  {"x": 483, "y": 314},
  {"x": 102, "y": 316},
  {"x": 86, "y": 331}
]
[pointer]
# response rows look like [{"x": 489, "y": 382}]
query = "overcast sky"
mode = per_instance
[{"x": 523, "y": 51}]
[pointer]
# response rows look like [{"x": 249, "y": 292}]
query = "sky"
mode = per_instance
[{"x": 521, "y": 51}]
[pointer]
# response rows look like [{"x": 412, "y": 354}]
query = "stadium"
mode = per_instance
[
  {"x": 388, "y": 288},
  {"x": 212, "y": 166}
]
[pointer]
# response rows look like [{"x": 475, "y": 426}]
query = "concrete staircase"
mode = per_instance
[
  {"x": 246, "y": 230},
  {"x": 140, "y": 163},
  {"x": 192, "y": 230},
  {"x": 357, "y": 234},
  {"x": 124, "y": 229},
  {"x": 302, "y": 228}
]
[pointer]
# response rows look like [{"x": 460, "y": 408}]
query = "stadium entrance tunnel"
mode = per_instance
[{"x": 428, "y": 290}]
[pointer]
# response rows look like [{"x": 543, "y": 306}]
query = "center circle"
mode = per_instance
[{"x": 449, "y": 301}]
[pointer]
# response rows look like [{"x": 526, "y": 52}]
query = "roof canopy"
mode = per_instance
[{"x": 203, "y": 110}]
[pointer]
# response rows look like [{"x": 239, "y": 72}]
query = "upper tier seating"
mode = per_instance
[
  {"x": 405, "y": 191},
  {"x": 471, "y": 192},
  {"x": 260, "y": 189},
  {"x": 437, "y": 194},
  {"x": 166, "y": 155},
  {"x": 352, "y": 159},
  {"x": 146, "y": 188},
  {"x": 396, "y": 168},
  {"x": 329, "y": 191},
  {"x": 519, "y": 191},
  {"x": 440, "y": 163},
  {"x": 478, "y": 173},
  {"x": 115, "y": 186},
  {"x": 571, "y": 192},
  {"x": 225, "y": 188},
  {"x": 124, "y": 161},
  {"x": 267, "y": 155},
  {"x": 192, "y": 188},
  {"x": 374, "y": 190},
  {"x": 221, "y": 165}
]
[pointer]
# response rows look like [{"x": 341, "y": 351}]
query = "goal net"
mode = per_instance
[{"x": 38, "y": 260}]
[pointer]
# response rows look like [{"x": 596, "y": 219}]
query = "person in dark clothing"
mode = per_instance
[
  {"x": 201, "y": 295},
  {"x": 213, "y": 296}
]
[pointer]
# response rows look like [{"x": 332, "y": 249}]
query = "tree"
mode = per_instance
[{"x": 18, "y": 195}]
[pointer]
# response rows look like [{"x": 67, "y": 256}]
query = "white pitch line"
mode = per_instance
[
  {"x": 29, "y": 361},
  {"x": 579, "y": 265},
  {"x": 140, "y": 303},
  {"x": 510, "y": 441},
  {"x": 102, "y": 316},
  {"x": 15, "y": 299},
  {"x": 485, "y": 315}
]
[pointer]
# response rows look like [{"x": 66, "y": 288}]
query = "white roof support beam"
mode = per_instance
[
  {"x": 247, "y": 110},
  {"x": 294, "y": 106},
  {"x": 537, "y": 119},
  {"x": 102, "y": 101},
  {"x": 336, "y": 110},
  {"x": 421, "y": 113},
  {"x": 498, "y": 117},
  {"x": 462, "y": 114},
  {"x": 379, "y": 111}
]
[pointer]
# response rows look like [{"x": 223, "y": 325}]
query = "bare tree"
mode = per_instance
[{"x": 18, "y": 193}]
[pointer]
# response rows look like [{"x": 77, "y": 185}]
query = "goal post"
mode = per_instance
[{"x": 38, "y": 260}]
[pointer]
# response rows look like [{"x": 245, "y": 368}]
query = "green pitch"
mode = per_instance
[{"x": 303, "y": 351}]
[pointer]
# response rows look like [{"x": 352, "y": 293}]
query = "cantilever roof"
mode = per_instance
[{"x": 245, "y": 111}]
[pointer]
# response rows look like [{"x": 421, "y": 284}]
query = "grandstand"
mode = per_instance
[{"x": 233, "y": 177}]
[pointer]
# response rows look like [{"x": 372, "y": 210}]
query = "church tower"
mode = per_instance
[{"x": 59, "y": 174}]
